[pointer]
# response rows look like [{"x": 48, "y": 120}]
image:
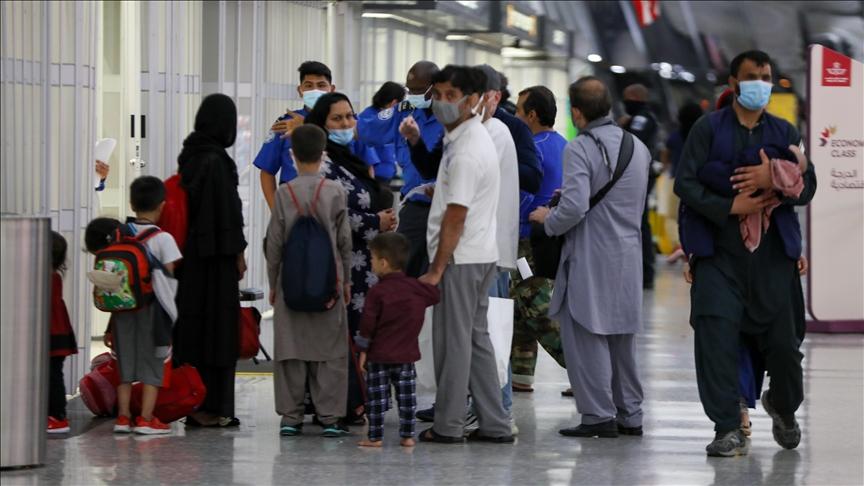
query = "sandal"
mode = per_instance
[
  {"x": 227, "y": 422},
  {"x": 429, "y": 435}
]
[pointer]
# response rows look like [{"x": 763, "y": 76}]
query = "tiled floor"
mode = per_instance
[{"x": 672, "y": 451}]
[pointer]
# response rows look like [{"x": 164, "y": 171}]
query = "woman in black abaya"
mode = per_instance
[{"x": 213, "y": 262}]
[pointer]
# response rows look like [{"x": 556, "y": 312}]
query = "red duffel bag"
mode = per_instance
[
  {"x": 99, "y": 387},
  {"x": 181, "y": 397}
]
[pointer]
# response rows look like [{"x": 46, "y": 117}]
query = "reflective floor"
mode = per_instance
[{"x": 672, "y": 451}]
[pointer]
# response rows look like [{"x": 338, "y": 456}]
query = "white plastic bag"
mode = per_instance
[{"x": 500, "y": 317}]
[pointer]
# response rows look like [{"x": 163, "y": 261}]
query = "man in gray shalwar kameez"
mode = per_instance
[{"x": 597, "y": 297}]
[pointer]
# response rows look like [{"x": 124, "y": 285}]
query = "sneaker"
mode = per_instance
[
  {"x": 339, "y": 429},
  {"x": 786, "y": 431},
  {"x": 471, "y": 423},
  {"x": 426, "y": 415},
  {"x": 57, "y": 426},
  {"x": 729, "y": 444},
  {"x": 289, "y": 430},
  {"x": 123, "y": 425},
  {"x": 514, "y": 429},
  {"x": 152, "y": 427}
]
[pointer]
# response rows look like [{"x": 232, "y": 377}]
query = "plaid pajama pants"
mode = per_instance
[{"x": 378, "y": 380}]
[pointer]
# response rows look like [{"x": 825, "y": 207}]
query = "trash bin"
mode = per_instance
[{"x": 25, "y": 286}]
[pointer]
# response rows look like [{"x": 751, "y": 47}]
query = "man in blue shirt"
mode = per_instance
[
  {"x": 531, "y": 324},
  {"x": 416, "y": 113},
  {"x": 274, "y": 156}
]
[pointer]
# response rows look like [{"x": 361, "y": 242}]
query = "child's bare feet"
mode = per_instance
[
  {"x": 370, "y": 443},
  {"x": 407, "y": 442}
]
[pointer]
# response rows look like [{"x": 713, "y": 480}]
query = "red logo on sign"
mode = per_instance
[{"x": 836, "y": 69}]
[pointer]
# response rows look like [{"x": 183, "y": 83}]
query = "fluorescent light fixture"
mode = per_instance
[
  {"x": 618, "y": 69},
  {"x": 472, "y": 4},
  {"x": 457, "y": 37},
  {"x": 665, "y": 66},
  {"x": 666, "y": 74},
  {"x": 595, "y": 57},
  {"x": 398, "y": 18},
  {"x": 518, "y": 52},
  {"x": 688, "y": 76}
]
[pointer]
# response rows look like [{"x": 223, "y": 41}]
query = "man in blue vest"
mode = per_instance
[
  {"x": 419, "y": 123},
  {"x": 739, "y": 294}
]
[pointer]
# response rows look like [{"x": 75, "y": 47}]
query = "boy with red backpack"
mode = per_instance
[{"x": 127, "y": 272}]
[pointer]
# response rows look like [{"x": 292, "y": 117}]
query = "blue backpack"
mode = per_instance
[{"x": 309, "y": 282}]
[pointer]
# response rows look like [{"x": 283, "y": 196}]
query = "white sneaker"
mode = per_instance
[{"x": 514, "y": 429}]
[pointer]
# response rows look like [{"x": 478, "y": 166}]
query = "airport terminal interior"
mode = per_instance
[{"x": 98, "y": 94}]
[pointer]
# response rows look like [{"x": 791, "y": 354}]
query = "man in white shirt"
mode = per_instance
[
  {"x": 508, "y": 197},
  {"x": 462, "y": 243}
]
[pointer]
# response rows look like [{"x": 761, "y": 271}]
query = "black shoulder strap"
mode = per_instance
[{"x": 625, "y": 154}]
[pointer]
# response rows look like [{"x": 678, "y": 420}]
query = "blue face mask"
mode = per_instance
[
  {"x": 754, "y": 95},
  {"x": 311, "y": 97},
  {"x": 342, "y": 137},
  {"x": 418, "y": 101}
]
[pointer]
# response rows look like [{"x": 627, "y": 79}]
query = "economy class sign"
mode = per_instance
[{"x": 836, "y": 214}]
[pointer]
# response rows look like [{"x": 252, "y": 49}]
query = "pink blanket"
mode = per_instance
[{"x": 786, "y": 177}]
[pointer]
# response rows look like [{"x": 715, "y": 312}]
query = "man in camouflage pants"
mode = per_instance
[{"x": 531, "y": 325}]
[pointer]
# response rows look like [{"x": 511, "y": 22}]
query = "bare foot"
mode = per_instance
[
  {"x": 407, "y": 442},
  {"x": 370, "y": 443}
]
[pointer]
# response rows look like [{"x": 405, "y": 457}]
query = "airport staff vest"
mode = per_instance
[{"x": 696, "y": 233}]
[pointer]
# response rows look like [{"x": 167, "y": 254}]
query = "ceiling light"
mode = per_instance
[
  {"x": 595, "y": 57},
  {"x": 665, "y": 66},
  {"x": 618, "y": 69},
  {"x": 666, "y": 74},
  {"x": 519, "y": 52},
  {"x": 398, "y": 18},
  {"x": 458, "y": 37},
  {"x": 688, "y": 76}
]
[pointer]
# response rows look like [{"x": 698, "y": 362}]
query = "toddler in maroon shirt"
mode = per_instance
[{"x": 392, "y": 319}]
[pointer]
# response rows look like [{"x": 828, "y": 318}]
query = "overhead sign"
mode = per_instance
[
  {"x": 515, "y": 19},
  {"x": 836, "y": 222}
]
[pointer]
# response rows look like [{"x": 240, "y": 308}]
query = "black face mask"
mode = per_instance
[{"x": 633, "y": 107}]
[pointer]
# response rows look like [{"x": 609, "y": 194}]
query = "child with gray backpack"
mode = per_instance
[{"x": 308, "y": 252}]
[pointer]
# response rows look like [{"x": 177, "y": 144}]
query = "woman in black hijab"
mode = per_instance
[
  {"x": 370, "y": 211},
  {"x": 213, "y": 262}
]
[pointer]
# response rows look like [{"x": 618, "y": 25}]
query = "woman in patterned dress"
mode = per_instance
[{"x": 370, "y": 209}]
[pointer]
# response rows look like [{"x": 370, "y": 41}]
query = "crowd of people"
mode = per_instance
[{"x": 482, "y": 187}]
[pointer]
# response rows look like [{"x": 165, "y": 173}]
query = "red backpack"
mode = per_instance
[
  {"x": 122, "y": 272},
  {"x": 175, "y": 215}
]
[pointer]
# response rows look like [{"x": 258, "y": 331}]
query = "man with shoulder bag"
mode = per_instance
[{"x": 598, "y": 285}]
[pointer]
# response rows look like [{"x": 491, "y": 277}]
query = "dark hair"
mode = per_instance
[
  {"x": 308, "y": 143},
  {"x": 314, "y": 68},
  {"x": 759, "y": 57},
  {"x": 542, "y": 102},
  {"x": 687, "y": 116},
  {"x": 321, "y": 110},
  {"x": 146, "y": 193},
  {"x": 468, "y": 79},
  {"x": 505, "y": 93},
  {"x": 58, "y": 252},
  {"x": 392, "y": 247},
  {"x": 590, "y": 96},
  {"x": 388, "y": 92},
  {"x": 100, "y": 233}
]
